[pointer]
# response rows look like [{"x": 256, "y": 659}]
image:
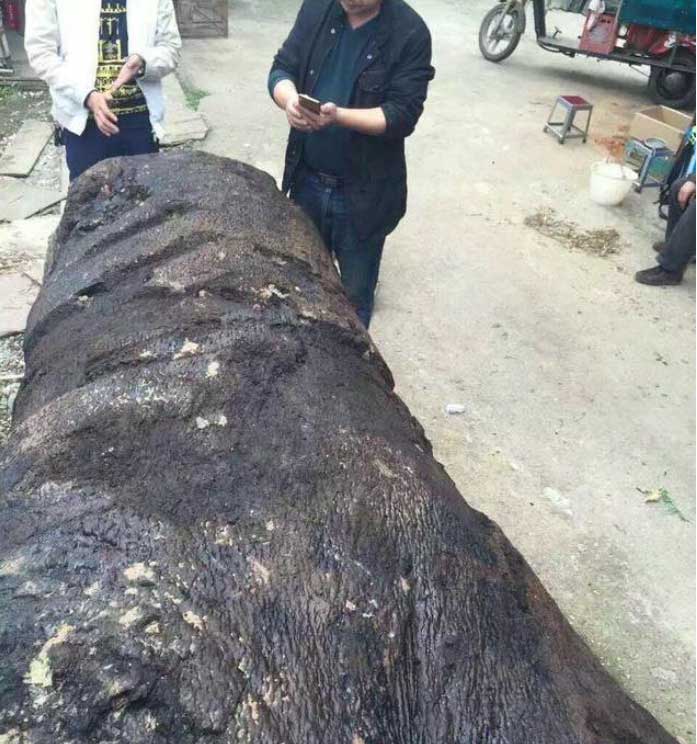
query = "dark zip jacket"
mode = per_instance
[{"x": 394, "y": 74}]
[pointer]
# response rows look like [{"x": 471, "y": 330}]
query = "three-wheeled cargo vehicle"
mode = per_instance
[{"x": 657, "y": 33}]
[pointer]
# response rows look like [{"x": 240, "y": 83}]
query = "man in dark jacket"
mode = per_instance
[{"x": 369, "y": 64}]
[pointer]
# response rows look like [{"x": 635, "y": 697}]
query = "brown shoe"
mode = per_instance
[{"x": 659, "y": 245}]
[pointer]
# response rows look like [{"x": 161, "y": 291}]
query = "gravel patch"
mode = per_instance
[
  {"x": 601, "y": 243},
  {"x": 16, "y": 106}
]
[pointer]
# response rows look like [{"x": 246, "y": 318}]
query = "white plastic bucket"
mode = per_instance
[{"x": 610, "y": 182}]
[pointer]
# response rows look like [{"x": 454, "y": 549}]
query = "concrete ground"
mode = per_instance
[{"x": 578, "y": 383}]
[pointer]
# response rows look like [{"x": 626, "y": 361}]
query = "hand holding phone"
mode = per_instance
[{"x": 309, "y": 103}]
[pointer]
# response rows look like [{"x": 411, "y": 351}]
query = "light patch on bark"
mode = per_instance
[
  {"x": 130, "y": 617},
  {"x": 12, "y": 567},
  {"x": 272, "y": 691},
  {"x": 404, "y": 584},
  {"x": 223, "y": 536},
  {"x": 213, "y": 369},
  {"x": 270, "y": 526},
  {"x": 350, "y": 606},
  {"x": 13, "y": 736},
  {"x": 261, "y": 574},
  {"x": 270, "y": 291},
  {"x": 141, "y": 574},
  {"x": 189, "y": 348},
  {"x": 117, "y": 688},
  {"x": 28, "y": 589},
  {"x": 146, "y": 355},
  {"x": 153, "y": 628},
  {"x": 221, "y": 420},
  {"x": 40, "y": 674},
  {"x": 196, "y": 621},
  {"x": 92, "y": 589},
  {"x": 385, "y": 470},
  {"x": 202, "y": 423}
]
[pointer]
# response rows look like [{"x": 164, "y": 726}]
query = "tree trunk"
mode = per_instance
[{"x": 220, "y": 524}]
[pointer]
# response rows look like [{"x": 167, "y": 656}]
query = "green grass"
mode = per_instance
[
  {"x": 7, "y": 92},
  {"x": 194, "y": 96}
]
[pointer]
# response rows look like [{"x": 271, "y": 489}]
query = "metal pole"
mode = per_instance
[{"x": 540, "y": 20}]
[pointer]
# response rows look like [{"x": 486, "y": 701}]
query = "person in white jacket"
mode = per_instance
[{"x": 103, "y": 61}]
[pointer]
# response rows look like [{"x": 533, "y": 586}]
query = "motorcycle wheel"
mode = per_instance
[
  {"x": 672, "y": 87},
  {"x": 498, "y": 46}
]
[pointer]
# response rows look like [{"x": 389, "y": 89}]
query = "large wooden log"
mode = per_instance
[{"x": 220, "y": 524}]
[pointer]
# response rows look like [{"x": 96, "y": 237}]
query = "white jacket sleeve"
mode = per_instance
[
  {"x": 41, "y": 42},
  {"x": 163, "y": 57}
]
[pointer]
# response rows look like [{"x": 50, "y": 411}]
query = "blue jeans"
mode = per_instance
[
  {"x": 91, "y": 147},
  {"x": 359, "y": 260}
]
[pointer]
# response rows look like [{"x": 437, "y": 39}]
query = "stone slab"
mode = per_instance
[
  {"x": 19, "y": 200},
  {"x": 35, "y": 272},
  {"x": 180, "y": 134},
  {"x": 65, "y": 176},
  {"x": 23, "y": 246},
  {"x": 17, "y": 295},
  {"x": 24, "y": 148},
  {"x": 28, "y": 238}
]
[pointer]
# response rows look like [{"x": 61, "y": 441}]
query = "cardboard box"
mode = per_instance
[{"x": 662, "y": 122}]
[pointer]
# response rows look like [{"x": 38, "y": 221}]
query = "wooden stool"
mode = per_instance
[{"x": 566, "y": 129}]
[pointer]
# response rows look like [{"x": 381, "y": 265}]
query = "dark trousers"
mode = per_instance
[
  {"x": 680, "y": 233},
  {"x": 91, "y": 147},
  {"x": 324, "y": 201}
]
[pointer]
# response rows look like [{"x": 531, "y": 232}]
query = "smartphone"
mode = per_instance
[{"x": 309, "y": 103}]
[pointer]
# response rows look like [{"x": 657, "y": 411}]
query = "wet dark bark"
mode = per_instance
[{"x": 220, "y": 524}]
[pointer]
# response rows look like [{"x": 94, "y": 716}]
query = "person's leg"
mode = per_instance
[
  {"x": 313, "y": 197},
  {"x": 677, "y": 253},
  {"x": 359, "y": 260},
  {"x": 680, "y": 247},
  {"x": 674, "y": 209},
  {"x": 138, "y": 140},
  {"x": 86, "y": 150}
]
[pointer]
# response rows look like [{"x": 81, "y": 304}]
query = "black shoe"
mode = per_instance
[
  {"x": 659, "y": 245},
  {"x": 658, "y": 277}
]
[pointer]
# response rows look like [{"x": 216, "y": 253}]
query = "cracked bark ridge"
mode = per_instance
[{"x": 219, "y": 522}]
